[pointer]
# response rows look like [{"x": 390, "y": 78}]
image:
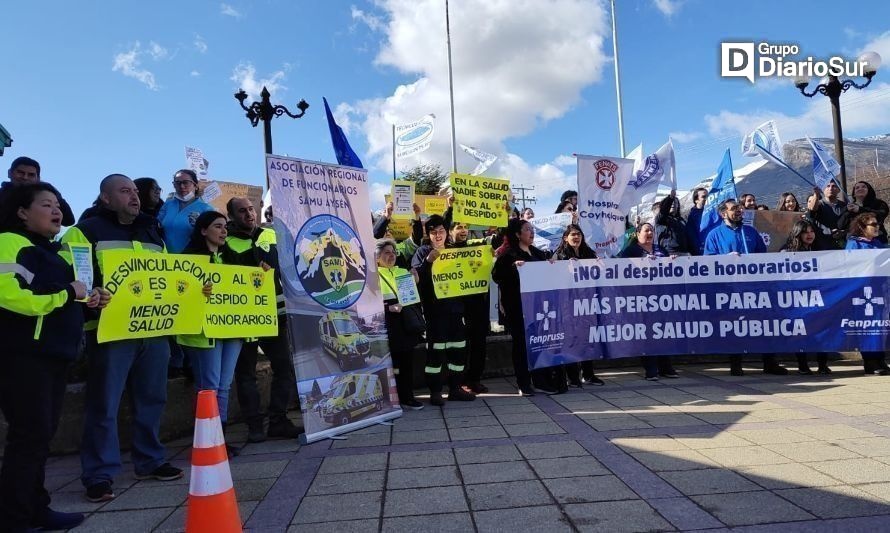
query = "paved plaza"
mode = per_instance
[{"x": 703, "y": 452}]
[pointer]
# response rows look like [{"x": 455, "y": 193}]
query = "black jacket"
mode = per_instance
[
  {"x": 670, "y": 231},
  {"x": 506, "y": 275},
  {"x": 38, "y": 314}
]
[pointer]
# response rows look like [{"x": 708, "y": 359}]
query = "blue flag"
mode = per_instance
[
  {"x": 345, "y": 155},
  {"x": 722, "y": 188},
  {"x": 825, "y": 166}
]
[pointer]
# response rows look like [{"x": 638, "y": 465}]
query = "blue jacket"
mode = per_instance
[
  {"x": 179, "y": 223},
  {"x": 723, "y": 239},
  {"x": 693, "y": 221},
  {"x": 858, "y": 243}
]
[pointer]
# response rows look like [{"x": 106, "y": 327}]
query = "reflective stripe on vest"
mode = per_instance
[{"x": 16, "y": 268}]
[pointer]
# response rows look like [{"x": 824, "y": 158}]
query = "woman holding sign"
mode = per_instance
[
  {"x": 404, "y": 319},
  {"x": 574, "y": 246},
  {"x": 213, "y": 360},
  {"x": 41, "y": 324},
  {"x": 645, "y": 246}
]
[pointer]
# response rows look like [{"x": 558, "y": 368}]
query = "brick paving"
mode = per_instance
[{"x": 703, "y": 452}]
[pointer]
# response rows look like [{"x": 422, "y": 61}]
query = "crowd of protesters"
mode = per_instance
[{"x": 45, "y": 313}]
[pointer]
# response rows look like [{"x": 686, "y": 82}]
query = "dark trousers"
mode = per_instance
[
  {"x": 284, "y": 381},
  {"x": 477, "y": 335},
  {"x": 768, "y": 360},
  {"x": 519, "y": 353},
  {"x": 32, "y": 388},
  {"x": 403, "y": 367},
  {"x": 657, "y": 364}
]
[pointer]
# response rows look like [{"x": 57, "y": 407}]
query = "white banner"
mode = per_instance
[
  {"x": 602, "y": 182},
  {"x": 195, "y": 160},
  {"x": 414, "y": 137},
  {"x": 549, "y": 230}
]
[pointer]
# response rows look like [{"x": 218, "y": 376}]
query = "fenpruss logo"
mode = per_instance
[
  {"x": 869, "y": 301},
  {"x": 546, "y": 340}
]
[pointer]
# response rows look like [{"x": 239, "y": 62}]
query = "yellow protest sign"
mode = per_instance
[
  {"x": 481, "y": 201},
  {"x": 462, "y": 271},
  {"x": 153, "y": 294},
  {"x": 430, "y": 204},
  {"x": 435, "y": 205},
  {"x": 242, "y": 304}
]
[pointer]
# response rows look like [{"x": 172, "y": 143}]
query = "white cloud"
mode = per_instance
[
  {"x": 683, "y": 137},
  {"x": 377, "y": 193},
  {"x": 548, "y": 180},
  {"x": 667, "y": 7},
  {"x": 229, "y": 11},
  {"x": 194, "y": 74},
  {"x": 200, "y": 44},
  {"x": 371, "y": 21},
  {"x": 881, "y": 45},
  {"x": 516, "y": 65},
  {"x": 128, "y": 63},
  {"x": 565, "y": 160},
  {"x": 244, "y": 75},
  {"x": 860, "y": 111},
  {"x": 156, "y": 51}
]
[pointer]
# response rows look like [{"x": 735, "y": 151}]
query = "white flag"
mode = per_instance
[
  {"x": 414, "y": 137},
  {"x": 764, "y": 141},
  {"x": 656, "y": 169},
  {"x": 483, "y": 159},
  {"x": 195, "y": 160},
  {"x": 825, "y": 166},
  {"x": 602, "y": 182}
]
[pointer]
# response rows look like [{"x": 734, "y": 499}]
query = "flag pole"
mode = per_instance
[
  {"x": 393, "y": 151},
  {"x": 617, "y": 80},
  {"x": 451, "y": 91}
]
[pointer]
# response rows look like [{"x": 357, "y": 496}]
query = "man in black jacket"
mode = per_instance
[{"x": 26, "y": 170}]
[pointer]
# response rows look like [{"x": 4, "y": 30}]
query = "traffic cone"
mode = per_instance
[{"x": 212, "y": 506}]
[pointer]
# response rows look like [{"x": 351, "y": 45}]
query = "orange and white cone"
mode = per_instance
[{"x": 212, "y": 506}]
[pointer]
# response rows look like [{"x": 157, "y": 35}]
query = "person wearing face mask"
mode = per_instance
[
  {"x": 645, "y": 246},
  {"x": 41, "y": 323},
  {"x": 213, "y": 360},
  {"x": 445, "y": 328},
  {"x": 139, "y": 365},
  {"x": 865, "y": 235},
  {"x": 177, "y": 216}
]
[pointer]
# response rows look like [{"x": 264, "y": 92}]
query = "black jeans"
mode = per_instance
[
  {"x": 32, "y": 388},
  {"x": 478, "y": 327},
  {"x": 284, "y": 381},
  {"x": 403, "y": 367}
]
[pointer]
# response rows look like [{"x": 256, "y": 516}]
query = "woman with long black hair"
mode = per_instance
[
  {"x": 517, "y": 250},
  {"x": 41, "y": 323},
  {"x": 574, "y": 246}
]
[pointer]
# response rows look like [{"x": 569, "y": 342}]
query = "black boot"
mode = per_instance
[
  {"x": 255, "y": 431},
  {"x": 434, "y": 382},
  {"x": 869, "y": 366},
  {"x": 456, "y": 393},
  {"x": 803, "y": 367},
  {"x": 771, "y": 366},
  {"x": 822, "y": 360},
  {"x": 735, "y": 366}
]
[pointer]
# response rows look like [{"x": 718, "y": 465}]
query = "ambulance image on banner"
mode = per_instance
[
  {"x": 343, "y": 340},
  {"x": 352, "y": 397}
]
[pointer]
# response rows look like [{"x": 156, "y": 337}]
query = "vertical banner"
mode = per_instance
[
  {"x": 332, "y": 291},
  {"x": 481, "y": 201},
  {"x": 403, "y": 199},
  {"x": 601, "y": 185}
]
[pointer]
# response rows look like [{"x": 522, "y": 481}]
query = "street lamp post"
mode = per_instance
[
  {"x": 265, "y": 111},
  {"x": 833, "y": 89}
]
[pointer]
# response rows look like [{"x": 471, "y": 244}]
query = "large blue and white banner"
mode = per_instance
[{"x": 766, "y": 303}]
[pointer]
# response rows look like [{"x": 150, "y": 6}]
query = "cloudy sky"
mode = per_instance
[{"x": 99, "y": 87}]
